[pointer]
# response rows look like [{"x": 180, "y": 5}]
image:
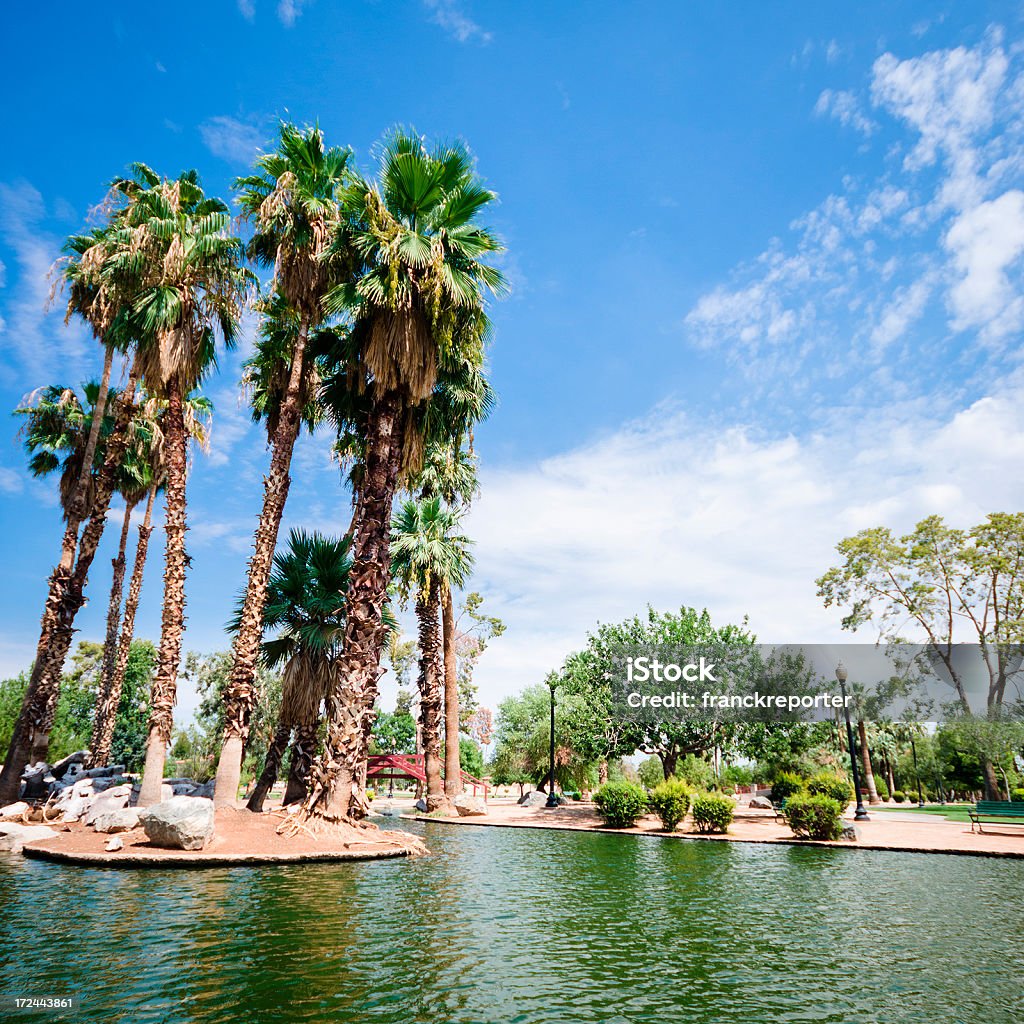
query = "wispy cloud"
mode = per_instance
[
  {"x": 452, "y": 17},
  {"x": 247, "y": 8},
  {"x": 289, "y": 10},
  {"x": 233, "y": 139},
  {"x": 913, "y": 278}
]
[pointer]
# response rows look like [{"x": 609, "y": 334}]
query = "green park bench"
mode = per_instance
[{"x": 987, "y": 809}]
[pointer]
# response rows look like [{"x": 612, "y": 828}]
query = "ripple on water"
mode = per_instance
[{"x": 510, "y": 925}]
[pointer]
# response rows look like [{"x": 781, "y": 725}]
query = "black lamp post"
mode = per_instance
[
  {"x": 861, "y": 814},
  {"x": 917, "y": 774},
  {"x": 552, "y": 798}
]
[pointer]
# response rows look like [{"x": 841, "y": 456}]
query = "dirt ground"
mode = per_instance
[
  {"x": 883, "y": 831},
  {"x": 239, "y": 838}
]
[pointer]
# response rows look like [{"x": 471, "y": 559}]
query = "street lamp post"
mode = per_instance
[
  {"x": 552, "y": 798},
  {"x": 917, "y": 774},
  {"x": 861, "y": 814}
]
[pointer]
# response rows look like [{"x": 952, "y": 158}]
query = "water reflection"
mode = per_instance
[{"x": 504, "y": 925}]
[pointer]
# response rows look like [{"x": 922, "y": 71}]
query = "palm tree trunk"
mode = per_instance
[
  {"x": 430, "y": 697},
  {"x": 114, "y": 668},
  {"x": 240, "y": 692},
  {"x": 110, "y": 650},
  {"x": 865, "y": 760},
  {"x": 106, "y": 711},
  {"x": 271, "y": 766},
  {"x": 165, "y": 683},
  {"x": 31, "y": 734},
  {"x": 303, "y": 752},
  {"x": 350, "y": 703},
  {"x": 452, "y": 759}
]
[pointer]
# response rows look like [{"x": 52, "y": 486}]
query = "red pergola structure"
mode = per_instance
[{"x": 410, "y": 767}]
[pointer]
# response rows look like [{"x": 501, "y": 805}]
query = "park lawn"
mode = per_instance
[{"x": 951, "y": 812}]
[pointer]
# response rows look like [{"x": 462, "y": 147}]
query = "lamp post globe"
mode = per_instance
[{"x": 841, "y": 676}]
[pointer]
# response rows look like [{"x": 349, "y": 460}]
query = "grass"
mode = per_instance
[{"x": 951, "y": 812}]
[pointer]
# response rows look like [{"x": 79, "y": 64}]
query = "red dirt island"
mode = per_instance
[{"x": 240, "y": 839}]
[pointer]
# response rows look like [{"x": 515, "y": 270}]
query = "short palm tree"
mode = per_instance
[
  {"x": 305, "y": 621},
  {"x": 187, "y": 286},
  {"x": 292, "y": 200},
  {"x": 417, "y": 311},
  {"x": 428, "y": 559}
]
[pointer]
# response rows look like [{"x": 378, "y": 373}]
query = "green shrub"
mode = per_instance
[
  {"x": 899, "y": 796},
  {"x": 832, "y": 785},
  {"x": 712, "y": 813},
  {"x": 696, "y": 772},
  {"x": 815, "y": 816},
  {"x": 621, "y": 803},
  {"x": 670, "y": 801},
  {"x": 1017, "y": 794},
  {"x": 881, "y": 788},
  {"x": 737, "y": 775},
  {"x": 785, "y": 785}
]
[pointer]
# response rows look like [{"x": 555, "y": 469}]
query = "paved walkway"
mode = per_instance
[{"x": 906, "y": 832}]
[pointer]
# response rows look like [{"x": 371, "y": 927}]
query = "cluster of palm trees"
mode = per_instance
[{"x": 373, "y": 319}]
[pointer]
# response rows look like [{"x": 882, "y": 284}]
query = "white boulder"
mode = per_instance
[
  {"x": 14, "y": 836},
  {"x": 181, "y": 823}
]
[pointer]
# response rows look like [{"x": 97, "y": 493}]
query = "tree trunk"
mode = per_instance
[
  {"x": 430, "y": 697},
  {"x": 240, "y": 692},
  {"x": 350, "y": 702},
  {"x": 452, "y": 759},
  {"x": 271, "y": 766},
  {"x": 865, "y": 760},
  {"x": 991, "y": 780},
  {"x": 669, "y": 760},
  {"x": 64, "y": 599},
  {"x": 106, "y": 710},
  {"x": 890, "y": 777},
  {"x": 303, "y": 752},
  {"x": 602, "y": 773},
  {"x": 165, "y": 683}
]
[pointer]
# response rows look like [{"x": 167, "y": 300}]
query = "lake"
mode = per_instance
[{"x": 516, "y": 925}]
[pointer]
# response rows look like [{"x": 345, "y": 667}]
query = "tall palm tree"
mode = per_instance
[
  {"x": 187, "y": 287},
  {"x": 417, "y": 309},
  {"x": 144, "y": 477},
  {"x": 428, "y": 559},
  {"x": 305, "y": 616},
  {"x": 449, "y": 472},
  {"x": 292, "y": 199},
  {"x": 96, "y": 293}
]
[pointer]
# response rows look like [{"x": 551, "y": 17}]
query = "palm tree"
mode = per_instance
[
  {"x": 187, "y": 286},
  {"x": 143, "y": 479},
  {"x": 96, "y": 294},
  {"x": 293, "y": 201},
  {"x": 416, "y": 307},
  {"x": 428, "y": 559},
  {"x": 304, "y": 610}
]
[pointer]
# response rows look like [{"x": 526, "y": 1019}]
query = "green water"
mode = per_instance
[{"x": 510, "y": 925}]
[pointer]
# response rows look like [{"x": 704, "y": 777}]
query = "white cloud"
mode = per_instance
[
  {"x": 10, "y": 481},
  {"x": 844, "y": 106},
  {"x": 247, "y": 8},
  {"x": 233, "y": 139},
  {"x": 289, "y": 10},
  {"x": 671, "y": 512},
  {"x": 986, "y": 241},
  {"x": 452, "y": 17}
]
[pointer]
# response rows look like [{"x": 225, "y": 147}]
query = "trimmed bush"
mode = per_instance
[
  {"x": 621, "y": 803},
  {"x": 785, "y": 785},
  {"x": 899, "y": 796},
  {"x": 881, "y": 788},
  {"x": 712, "y": 813},
  {"x": 1017, "y": 794},
  {"x": 832, "y": 785},
  {"x": 670, "y": 801},
  {"x": 815, "y": 816}
]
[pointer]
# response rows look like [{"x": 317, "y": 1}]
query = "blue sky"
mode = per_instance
[{"x": 765, "y": 264}]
